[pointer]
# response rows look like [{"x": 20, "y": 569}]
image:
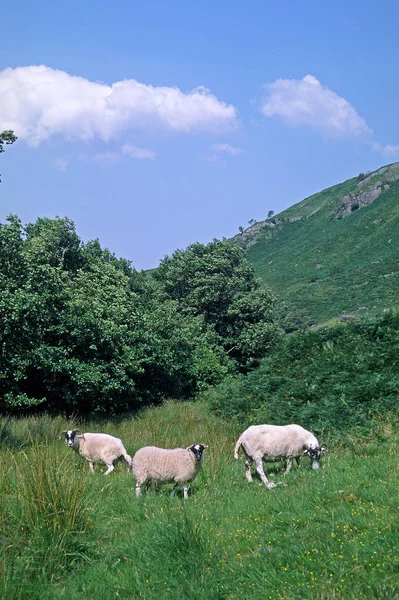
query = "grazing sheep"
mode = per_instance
[
  {"x": 179, "y": 465},
  {"x": 277, "y": 442},
  {"x": 98, "y": 448}
]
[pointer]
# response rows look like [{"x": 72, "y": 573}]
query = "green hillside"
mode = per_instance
[{"x": 335, "y": 252}]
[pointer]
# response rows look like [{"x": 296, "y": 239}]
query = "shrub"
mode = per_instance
[{"x": 332, "y": 380}]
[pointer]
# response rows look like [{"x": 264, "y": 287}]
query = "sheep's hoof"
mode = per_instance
[
  {"x": 282, "y": 483},
  {"x": 270, "y": 486}
]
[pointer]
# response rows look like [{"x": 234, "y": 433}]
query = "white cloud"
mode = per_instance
[
  {"x": 60, "y": 165},
  {"x": 226, "y": 148},
  {"x": 140, "y": 153},
  {"x": 307, "y": 102},
  {"x": 387, "y": 150},
  {"x": 112, "y": 157},
  {"x": 106, "y": 158},
  {"x": 38, "y": 102}
]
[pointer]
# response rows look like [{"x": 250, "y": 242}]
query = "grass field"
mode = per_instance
[{"x": 65, "y": 533}]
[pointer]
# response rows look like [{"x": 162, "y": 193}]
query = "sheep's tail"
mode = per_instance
[{"x": 237, "y": 447}]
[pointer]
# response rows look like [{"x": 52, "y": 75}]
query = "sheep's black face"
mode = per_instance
[
  {"x": 315, "y": 455},
  {"x": 197, "y": 450},
  {"x": 70, "y": 437}
]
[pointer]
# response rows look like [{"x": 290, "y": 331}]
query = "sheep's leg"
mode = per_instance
[
  {"x": 109, "y": 470},
  {"x": 259, "y": 469},
  {"x": 139, "y": 485},
  {"x": 289, "y": 465},
  {"x": 298, "y": 460},
  {"x": 248, "y": 463},
  {"x": 185, "y": 489},
  {"x": 91, "y": 466}
]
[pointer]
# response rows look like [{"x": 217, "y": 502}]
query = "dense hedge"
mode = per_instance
[{"x": 331, "y": 380}]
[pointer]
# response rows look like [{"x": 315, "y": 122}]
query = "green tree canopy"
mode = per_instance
[
  {"x": 7, "y": 137},
  {"x": 216, "y": 281},
  {"x": 82, "y": 330}
]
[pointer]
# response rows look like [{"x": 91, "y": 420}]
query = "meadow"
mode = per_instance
[{"x": 329, "y": 534}]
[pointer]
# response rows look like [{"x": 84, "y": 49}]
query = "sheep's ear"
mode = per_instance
[
  {"x": 204, "y": 446},
  {"x": 63, "y": 434},
  {"x": 323, "y": 449},
  {"x": 305, "y": 453}
]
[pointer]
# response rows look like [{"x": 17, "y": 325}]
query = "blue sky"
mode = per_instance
[{"x": 153, "y": 125}]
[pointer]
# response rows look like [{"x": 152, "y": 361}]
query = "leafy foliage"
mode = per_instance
[
  {"x": 216, "y": 282},
  {"x": 334, "y": 380},
  {"x": 7, "y": 137},
  {"x": 82, "y": 330}
]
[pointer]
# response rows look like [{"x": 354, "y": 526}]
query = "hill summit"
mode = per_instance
[{"x": 333, "y": 255}]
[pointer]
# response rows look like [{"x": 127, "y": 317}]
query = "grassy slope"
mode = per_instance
[
  {"x": 358, "y": 258},
  {"x": 329, "y": 534}
]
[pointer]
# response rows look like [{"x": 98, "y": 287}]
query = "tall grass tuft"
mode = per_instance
[{"x": 45, "y": 517}]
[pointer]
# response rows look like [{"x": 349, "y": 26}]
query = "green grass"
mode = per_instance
[{"x": 66, "y": 533}]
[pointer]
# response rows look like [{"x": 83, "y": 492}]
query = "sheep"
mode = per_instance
[
  {"x": 98, "y": 448},
  {"x": 178, "y": 465},
  {"x": 277, "y": 442}
]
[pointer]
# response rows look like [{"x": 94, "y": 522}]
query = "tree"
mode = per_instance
[
  {"x": 215, "y": 281},
  {"x": 241, "y": 229},
  {"x": 81, "y": 330},
  {"x": 6, "y": 137},
  {"x": 270, "y": 214}
]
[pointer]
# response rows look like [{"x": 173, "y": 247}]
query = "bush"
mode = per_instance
[{"x": 333, "y": 380}]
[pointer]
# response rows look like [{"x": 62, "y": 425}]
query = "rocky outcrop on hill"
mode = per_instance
[
  {"x": 348, "y": 204},
  {"x": 391, "y": 173},
  {"x": 367, "y": 193},
  {"x": 369, "y": 187},
  {"x": 248, "y": 237}
]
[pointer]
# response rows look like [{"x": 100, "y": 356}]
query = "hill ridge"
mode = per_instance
[
  {"x": 334, "y": 252},
  {"x": 370, "y": 190}
]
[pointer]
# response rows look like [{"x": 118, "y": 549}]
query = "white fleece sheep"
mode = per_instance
[
  {"x": 98, "y": 448},
  {"x": 277, "y": 442},
  {"x": 178, "y": 465}
]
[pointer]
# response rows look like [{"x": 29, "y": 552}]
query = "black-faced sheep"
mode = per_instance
[
  {"x": 277, "y": 442},
  {"x": 98, "y": 448},
  {"x": 178, "y": 465}
]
